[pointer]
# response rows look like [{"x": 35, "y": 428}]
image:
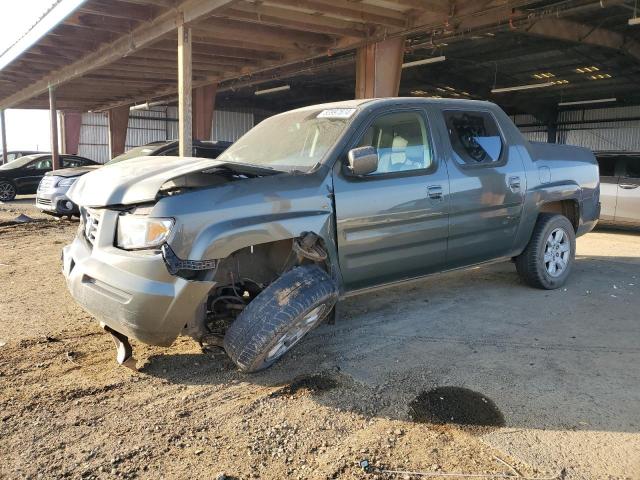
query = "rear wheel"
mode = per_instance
[
  {"x": 547, "y": 260},
  {"x": 279, "y": 317},
  {"x": 7, "y": 191}
]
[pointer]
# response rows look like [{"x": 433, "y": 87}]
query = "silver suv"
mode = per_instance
[{"x": 620, "y": 188}]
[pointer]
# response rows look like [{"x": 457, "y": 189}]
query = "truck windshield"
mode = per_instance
[{"x": 295, "y": 140}]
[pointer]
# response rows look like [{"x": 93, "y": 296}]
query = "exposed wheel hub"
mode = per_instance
[{"x": 296, "y": 332}]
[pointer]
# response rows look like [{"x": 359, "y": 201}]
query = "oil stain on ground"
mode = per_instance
[
  {"x": 311, "y": 384},
  {"x": 455, "y": 405}
]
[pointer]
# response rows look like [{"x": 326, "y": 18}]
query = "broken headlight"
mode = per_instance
[{"x": 136, "y": 232}]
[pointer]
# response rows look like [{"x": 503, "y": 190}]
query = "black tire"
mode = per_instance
[
  {"x": 8, "y": 191},
  {"x": 300, "y": 298},
  {"x": 532, "y": 265}
]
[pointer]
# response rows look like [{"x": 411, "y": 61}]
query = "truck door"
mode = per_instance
[
  {"x": 628, "y": 207},
  {"x": 392, "y": 224},
  {"x": 487, "y": 182}
]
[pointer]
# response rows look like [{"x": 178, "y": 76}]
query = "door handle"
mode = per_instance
[
  {"x": 628, "y": 186},
  {"x": 514, "y": 184},
  {"x": 435, "y": 192}
]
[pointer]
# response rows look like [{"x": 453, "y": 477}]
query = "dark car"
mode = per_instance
[
  {"x": 22, "y": 176},
  {"x": 620, "y": 188},
  {"x": 52, "y": 191},
  {"x": 15, "y": 154},
  {"x": 203, "y": 149}
]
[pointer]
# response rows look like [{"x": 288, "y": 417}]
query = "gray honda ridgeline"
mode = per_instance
[{"x": 252, "y": 250}]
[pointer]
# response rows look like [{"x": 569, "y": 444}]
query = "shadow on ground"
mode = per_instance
[{"x": 562, "y": 359}]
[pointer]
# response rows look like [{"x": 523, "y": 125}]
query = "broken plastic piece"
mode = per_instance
[
  {"x": 124, "y": 352},
  {"x": 22, "y": 218}
]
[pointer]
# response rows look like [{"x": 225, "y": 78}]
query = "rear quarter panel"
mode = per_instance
[{"x": 555, "y": 173}]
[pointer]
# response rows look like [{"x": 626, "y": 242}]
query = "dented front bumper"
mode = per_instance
[{"x": 132, "y": 292}]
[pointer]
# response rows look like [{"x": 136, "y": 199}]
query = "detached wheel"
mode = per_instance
[
  {"x": 7, "y": 191},
  {"x": 279, "y": 317},
  {"x": 547, "y": 260}
]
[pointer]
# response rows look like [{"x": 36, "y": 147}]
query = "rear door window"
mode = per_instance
[
  {"x": 71, "y": 163},
  {"x": 633, "y": 167},
  {"x": 475, "y": 137},
  {"x": 607, "y": 166}
]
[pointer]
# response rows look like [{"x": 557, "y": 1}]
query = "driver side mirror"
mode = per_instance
[{"x": 363, "y": 160}]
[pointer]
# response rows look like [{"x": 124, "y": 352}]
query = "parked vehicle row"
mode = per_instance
[
  {"x": 23, "y": 175},
  {"x": 52, "y": 192},
  {"x": 252, "y": 250}
]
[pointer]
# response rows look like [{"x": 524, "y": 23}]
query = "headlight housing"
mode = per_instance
[
  {"x": 137, "y": 232},
  {"x": 67, "y": 182}
]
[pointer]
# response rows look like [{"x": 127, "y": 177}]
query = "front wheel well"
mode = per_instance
[
  {"x": 242, "y": 276},
  {"x": 263, "y": 263},
  {"x": 567, "y": 208}
]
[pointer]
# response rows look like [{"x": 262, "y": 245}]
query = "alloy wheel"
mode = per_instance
[{"x": 557, "y": 252}]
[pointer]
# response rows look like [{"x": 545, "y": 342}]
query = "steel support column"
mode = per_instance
[
  {"x": 118, "y": 123},
  {"x": 3, "y": 135},
  {"x": 378, "y": 68},
  {"x": 184, "y": 91},
  {"x": 55, "y": 154},
  {"x": 204, "y": 100},
  {"x": 70, "y": 135},
  {"x": 552, "y": 132}
]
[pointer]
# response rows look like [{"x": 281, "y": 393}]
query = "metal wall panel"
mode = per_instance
[
  {"x": 536, "y": 133},
  {"x": 231, "y": 126},
  {"x": 94, "y": 137},
  {"x": 619, "y": 129},
  {"x": 622, "y": 136},
  {"x": 227, "y": 125},
  {"x": 144, "y": 126},
  {"x": 613, "y": 128}
]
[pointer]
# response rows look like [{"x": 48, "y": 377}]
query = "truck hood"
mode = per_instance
[{"x": 127, "y": 183}]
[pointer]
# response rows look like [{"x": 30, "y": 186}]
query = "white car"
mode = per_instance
[{"x": 620, "y": 188}]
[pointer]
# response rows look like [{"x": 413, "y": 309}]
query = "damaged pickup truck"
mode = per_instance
[{"x": 252, "y": 250}]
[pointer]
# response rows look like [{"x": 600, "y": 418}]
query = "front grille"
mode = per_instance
[
  {"x": 48, "y": 182},
  {"x": 43, "y": 201},
  {"x": 90, "y": 223}
]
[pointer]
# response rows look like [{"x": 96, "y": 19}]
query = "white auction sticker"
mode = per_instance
[{"x": 337, "y": 113}]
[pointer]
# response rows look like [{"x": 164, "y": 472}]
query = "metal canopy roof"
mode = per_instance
[
  {"x": 116, "y": 52},
  {"x": 548, "y": 46}
]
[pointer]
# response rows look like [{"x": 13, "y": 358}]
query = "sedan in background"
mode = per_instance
[
  {"x": 52, "y": 192},
  {"x": 22, "y": 176},
  {"x": 15, "y": 154},
  {"x": 619, "y": 188}
]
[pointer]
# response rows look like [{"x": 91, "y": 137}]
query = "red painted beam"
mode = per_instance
[
  {"x": 378, "y": 68},
  {"x": 118, "y": 123},
  {"x": 71, "y": 124},
  {"x": 204, "y": 100}
]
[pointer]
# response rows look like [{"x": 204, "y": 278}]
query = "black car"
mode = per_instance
[
  {"x": 202, "y": 149},
  {"x": 15, "y": 154},
  {"x": 22, "y": 176}
]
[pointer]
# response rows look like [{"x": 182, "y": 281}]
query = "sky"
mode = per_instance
[{"x": 26, "y": 129}]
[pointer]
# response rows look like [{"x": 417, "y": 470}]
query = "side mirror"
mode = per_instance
[{"x": 363, "y": 160}]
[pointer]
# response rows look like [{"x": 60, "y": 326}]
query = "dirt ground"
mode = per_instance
[{"x": 551, "y": 380}]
